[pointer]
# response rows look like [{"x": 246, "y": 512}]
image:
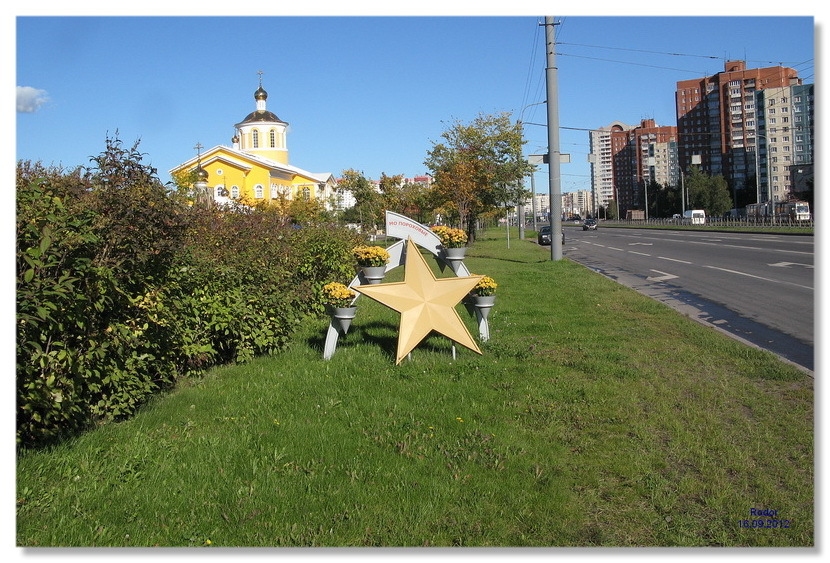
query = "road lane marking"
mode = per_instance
[
  {"x": 642, "y": 243},
  {"x": 705, "y": 242},
  {"x": 615, "y": 248},
  {"x": 674, "y": 259},
  {"x": 663, "y": 277},
  {"x": 640, "y": 253},
  {"x": 758, "y": 277},
  {"x": 788, "y": 264}
]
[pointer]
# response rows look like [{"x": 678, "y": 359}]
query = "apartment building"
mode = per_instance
[
  {"x": 602, "y": 161},
  {"x": 784, "y": 140},
  {"x": 641, "y": 155},
  {"x": 717, "y": 119},
  {"x": 578, "y": 204}
]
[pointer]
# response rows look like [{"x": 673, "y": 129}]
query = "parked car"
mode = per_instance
[
  {"x": 544, "y": 235},
  {"x": 589, "y": 224}
]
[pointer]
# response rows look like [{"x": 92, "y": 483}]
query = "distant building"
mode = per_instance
[
  {"x": 641, "y": 155},
  {"x": 785, "y": 135},
  {"x": 602, "y": 161},
  {"x": 423, "y": 180},
  {"x": 577, "y": 204},
  {"x": 255, "y": 168},
  {"x": 718, "y": 119}
]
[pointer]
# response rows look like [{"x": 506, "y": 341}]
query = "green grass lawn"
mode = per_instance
[{"x": 595, "y": 417}]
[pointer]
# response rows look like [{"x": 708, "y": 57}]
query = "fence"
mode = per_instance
[{"x": 768, "y": 222}]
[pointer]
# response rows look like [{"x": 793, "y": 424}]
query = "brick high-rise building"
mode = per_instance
[
  {"x": 641, "y": 155},
  {"x": 717, "y": 120}
]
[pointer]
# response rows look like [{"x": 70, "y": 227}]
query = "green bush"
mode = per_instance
[
  {"x": 123, "y": 287},
  {"x": 55, "y": 252}
]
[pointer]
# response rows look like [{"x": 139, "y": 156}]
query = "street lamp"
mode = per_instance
[
  {"x": 770, "y": 205},
  {"x": 532, "y": 182}
]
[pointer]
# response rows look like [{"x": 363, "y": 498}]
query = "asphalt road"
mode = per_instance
[{"x": 757, "y": 287}]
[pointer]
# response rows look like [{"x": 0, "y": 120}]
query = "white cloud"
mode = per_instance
[{"x": 30, "y": 99}]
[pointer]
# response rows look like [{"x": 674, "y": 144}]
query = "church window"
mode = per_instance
[
  {"x": 306, "y": 193},
  {"x": 273, "y": 135},
  {"x": 258, "y": 191},
  {"x": 256, "y": 138},
  {"x": 235, "y": 192},
  {"x": 274, "y": 191}
]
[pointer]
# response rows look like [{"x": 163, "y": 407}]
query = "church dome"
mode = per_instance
[
  {"x": 261, "y": 115},
  {"x": 201, "y": 174}
]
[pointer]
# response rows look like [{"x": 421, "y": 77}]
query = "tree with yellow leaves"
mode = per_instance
[{"x": 477, "y": 167}]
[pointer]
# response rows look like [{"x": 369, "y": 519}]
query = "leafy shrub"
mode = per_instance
[
  {"x": 55, "y": 250},
  {"x": 122, "y": 288}
]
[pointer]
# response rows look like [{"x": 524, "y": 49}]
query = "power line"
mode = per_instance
[
  {"x": 531, "y": 66},
  {"x": 626, "y": 62},
  {"x": 669, "y": 53}
]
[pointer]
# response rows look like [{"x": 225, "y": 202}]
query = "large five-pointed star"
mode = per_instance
[{"x": 426, "y": 303}]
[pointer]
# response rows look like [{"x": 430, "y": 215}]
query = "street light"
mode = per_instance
[
  {"x": 770, "y": 206},
  {"x": 532, "y": 182}
]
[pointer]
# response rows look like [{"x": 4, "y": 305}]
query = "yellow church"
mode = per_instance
[{"x": 255, "y": 168}]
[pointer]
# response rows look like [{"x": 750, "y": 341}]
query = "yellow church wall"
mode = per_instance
[{"x": 248, "y": 179}]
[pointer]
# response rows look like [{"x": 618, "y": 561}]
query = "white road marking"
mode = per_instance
[
  {"x": 640, "y": 253},
  {"x": 788, "y": 264},
  {"x": 674, "y": 260},
  {"x": 663, "y": 277},
  {"x": 757, "y": 277}
]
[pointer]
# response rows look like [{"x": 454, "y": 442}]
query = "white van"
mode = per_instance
[{"x": 695, "y": 217}]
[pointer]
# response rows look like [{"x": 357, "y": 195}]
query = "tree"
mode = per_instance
[
  {"x": 663, "y": 200},
  {"x": 478, "y": 166},
  {"x": 710, "y": 193},
  {"x": 368, "y": 202},
  {"x": 419, "y": 202},
  {"x": 391, "y": 191}
]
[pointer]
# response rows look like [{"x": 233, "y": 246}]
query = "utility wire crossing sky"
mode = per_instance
[{"x": 369, "y": 93}]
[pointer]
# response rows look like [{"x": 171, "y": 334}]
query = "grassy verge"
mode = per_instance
[{"x": 595, "y": 417}]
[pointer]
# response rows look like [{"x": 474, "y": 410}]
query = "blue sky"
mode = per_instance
[{"x": 365, "y": 92}]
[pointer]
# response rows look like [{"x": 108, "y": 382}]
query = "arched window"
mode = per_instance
[
  {"x": 235, "y": 192},
  {"x": 306, "y": 193},
  {"x": 274, "y": 193},
  {"x": 221, "y": 191},
  {"x": 255, "y": 136},
  {"x": 273, "y": 136},
  {"x": 258, "y": 191}
]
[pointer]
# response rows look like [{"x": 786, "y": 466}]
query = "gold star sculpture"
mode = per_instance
[{"x": 426, "y": 303}]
